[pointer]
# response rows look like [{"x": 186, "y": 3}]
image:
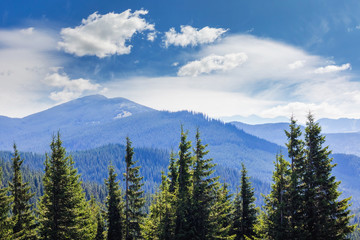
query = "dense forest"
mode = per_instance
[{"x": 190, "y": 201}]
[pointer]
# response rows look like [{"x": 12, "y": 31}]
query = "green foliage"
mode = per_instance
[
  {"x": 244, "y": 218},
  {"x": 221, "y": 218},
  {"x": 5, "y": 220},
  {"x": 134, "y": 200},
  {"x": 326, "y": 216},
  {"x": 22, "y": 215},
  {"x": 183, "y": 194},
  {"x": 114, "y": 207},
  {"x": 303, "y": 203},
  {"x": 203, "y": 191},
  {"x": 277, "y": 202},
  {"x": 159, "y": 223},
  {"x": 64, "y": 212}
]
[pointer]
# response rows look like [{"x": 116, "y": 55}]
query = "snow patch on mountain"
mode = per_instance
[{"x": 123, "y": 114}]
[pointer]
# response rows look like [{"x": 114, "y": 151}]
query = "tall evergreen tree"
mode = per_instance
[
  {"x": 23, "y": 217},
  {"x": 160, "y": 221},
  {"x": 133, "y": 196},
  {"x": 203, "y": 191},
  {"x": 326, "y": 216},
  {"x": 63, "y": 209},
  {"x": 277, "y": 222},
  {"x": 221, "y": 214},
  {"x": 183, "y": 196},
  {"x": 114, "y": 207},
  {"x": 5, "y": 220},
  {"x": 173, "y": 172},
  {"x": 295, "y": 207},
  {"x": 100, "y": 230},
  {"x": 245, "y": 210}
]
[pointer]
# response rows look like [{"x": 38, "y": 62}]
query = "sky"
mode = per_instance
[{"x": 222, "y": 58}]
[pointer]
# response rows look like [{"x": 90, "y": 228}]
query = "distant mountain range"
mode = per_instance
[
  {"x": 89, "y": 123},
  {"x": 347, "y": 142}
]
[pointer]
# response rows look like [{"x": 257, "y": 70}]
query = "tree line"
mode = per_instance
[{"x": 190, "y": 203}]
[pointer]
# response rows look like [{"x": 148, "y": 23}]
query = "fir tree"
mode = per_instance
[
  {"x": 183, "y": 196},
  {"x": 277, "y": 222},
  {"x": 295, "y": 208},
  {"x": 160, "y": 222},
  {"x": 221, "y": 214},
  {"x": 245, "y": 210},
  {"x": 100, "y": 230},
  {"x": 115, "y": 207},
  {"x": 5, "y": 221},
  {"x": 326, "y": 217},
  {"x": 173, "y": 173},
  {"x": 63, "y": 209},
  {"x": 23, "y": 218},
  {"x": 133, "y": 196},
  {"x": 203, "y": 191}
]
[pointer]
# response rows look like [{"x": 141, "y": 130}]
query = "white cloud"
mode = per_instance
[
  {"x": 25, "y": 57},
  {"x": 151, "y": 36},
  {"x": 277, "y": 79},
  {"x": 105, "y": 35},
  {"x": 213, "y": 63},
  {"x": 192, "y": 36},
  {"x": 27, "y": 31},
  {"x": 297, "y": 64},
  {"x": 332, "y": 68},
  {"x": 70, "y": 88}
]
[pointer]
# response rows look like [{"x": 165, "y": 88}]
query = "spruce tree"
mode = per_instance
[
  {"x": 245, "y": 210},
  {"x": 160, "y": 221},
  {"x": 133, "y": 196},
  {"x": 277, "y": 222},
  {"x": 100, "y": 230},
  {"x": 221, "y": 214},
  {"x": 295, "y": 206},
  {"x": 183, "y": 196},
  {"x": 114, "y": 207},
  {"x": 326, "y": 217},
  {"x": 5, "y": 220},
  {"x": 63, "y": 209},
  {"x": 23, "y": 217},
  {"x": 203, "y": 191},
  {"x": 173, "y": 172}
]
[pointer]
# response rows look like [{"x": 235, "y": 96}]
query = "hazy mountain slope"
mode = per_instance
[
  {"x": 341, "y": 125},
  {"x": 95, "y": 121},
  {"x": 347, "y": 143}
]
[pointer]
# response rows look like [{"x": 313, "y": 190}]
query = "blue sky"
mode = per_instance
[{"x": 223, "y": 58}]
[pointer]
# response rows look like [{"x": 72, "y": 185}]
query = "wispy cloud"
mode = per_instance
[
  {"x": 69, "y": 88},
  {"x": 332, "y": 68},
  {"x": 105, "y": 35},
  {"x": 276, "y": 79},
  {"x": 25, "y": 58},
  {"x": 192, "y": 36},
  {"x": 213, "y": 63}
]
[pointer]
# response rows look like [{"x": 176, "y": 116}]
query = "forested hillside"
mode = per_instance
[{"x": 189, "y": 203}]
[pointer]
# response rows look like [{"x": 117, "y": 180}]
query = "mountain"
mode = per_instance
[
  {"x": 95, "y": 121},
  {"x": 253, "y": 119},
  {"x": 347, "y": 143},
  {"x": 93, "y": 127},
  {"x": 341, "y": 125}
]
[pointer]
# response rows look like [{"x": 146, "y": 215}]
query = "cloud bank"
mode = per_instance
[
  {"x": 192, "y": 36},
  {"x": 105, "y": 35},
  {"x": 248, "y": 75}
]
